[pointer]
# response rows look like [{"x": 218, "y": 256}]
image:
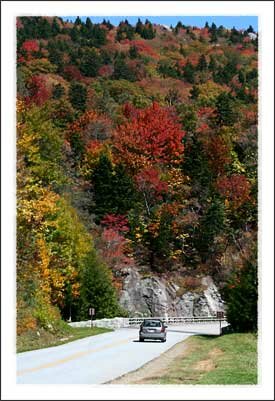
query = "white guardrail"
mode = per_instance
[{"x": 134, "y": 321}]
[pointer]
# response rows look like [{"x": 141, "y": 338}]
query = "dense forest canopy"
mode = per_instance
[{"x": 136, "y": 146}]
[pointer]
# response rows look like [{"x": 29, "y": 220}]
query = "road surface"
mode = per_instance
[{"x": 101, "y": 358}]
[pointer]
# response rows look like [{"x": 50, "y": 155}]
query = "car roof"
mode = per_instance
[{"x": 152, "y": 320}]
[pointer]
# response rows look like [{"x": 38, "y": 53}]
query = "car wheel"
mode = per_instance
[
  {"x": 141, "y": 339},
  {"x": 163, "y": 341}
]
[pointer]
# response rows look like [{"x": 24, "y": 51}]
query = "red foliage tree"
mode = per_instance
[
  {"x": 218, "y": 152},
  {"x": 235, "y": 189},
  {"x": 150, "y": 185},
  {"x": 38, "y": 91},
  {"x": 143, "y": 47},
  {"x": 30, "y": 46},
  {"x": 106, "y": 71},
  {"x": 113, "y": 249},
  {"x": 91, "y": 128},
  {"x": 117, "y": 222},
  {"x": 71, "y": 72},
  {"x": 153, "y": 135},
  {"x": 148, "y": 180}
]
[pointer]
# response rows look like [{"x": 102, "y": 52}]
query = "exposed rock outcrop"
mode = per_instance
[{"x": 154, "y": 296}]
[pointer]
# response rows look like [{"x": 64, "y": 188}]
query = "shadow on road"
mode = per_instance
[
  {"x": 146, "y": 341},
  {"x": 193, "y": 332}
]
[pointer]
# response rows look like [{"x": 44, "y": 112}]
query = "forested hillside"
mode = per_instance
[{"x": 136, "y": 146}]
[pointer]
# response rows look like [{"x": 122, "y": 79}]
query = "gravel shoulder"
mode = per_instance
[{"x": 153, "y": 369}]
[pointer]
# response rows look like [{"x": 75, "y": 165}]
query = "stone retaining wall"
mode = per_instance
[{"x": 115, "y": 323}]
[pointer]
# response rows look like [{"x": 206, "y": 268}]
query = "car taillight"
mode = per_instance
[{"x": 162, "y": 329}]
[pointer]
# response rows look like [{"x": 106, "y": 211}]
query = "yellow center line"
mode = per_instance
[{"x": 72, "y": 357}]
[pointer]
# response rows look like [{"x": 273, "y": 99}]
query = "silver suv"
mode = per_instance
[{"x": 153, "y": 329}]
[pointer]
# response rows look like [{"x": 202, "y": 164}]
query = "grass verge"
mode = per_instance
[
  {"x": 32, "y": 340},
  {"x": 228, "y": 359}
]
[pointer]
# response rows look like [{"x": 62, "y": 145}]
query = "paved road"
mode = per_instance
[{"x": 98, "y": 359}]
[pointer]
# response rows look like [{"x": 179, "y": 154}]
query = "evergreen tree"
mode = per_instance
[
  {"x": 58, "y": 91},
  {"x": 168, "y": 69},
  {"x": 90, "y": 63},
  {"x": 202, "y": 64},
  {"x": 194, "y": 92},
  {"x": 55, "y": 27},
  {"x": 107, "y": 24},
  {"x": 56, "y": 56},
  {"x": 178, "y": 27},
  {"x": 96, "y": 291},
  {"x": 235, "y": 36},
  {"x": 139, "y": 27},
  {"x": 75, "y": 34},
  {"x": 212, "y": 63},
  {"x": 213, "y": 37},
  {"x": 189, "y": 72},
  {"x": 211, "y": 224},
  {"x": 88, "y": 23},
  {"x": 227, "y": 113},
  {"x": 121, "y": 69},
  {"x": 78, "y": 96},
  {"x": 133, "y": 52},
  {"x": 147, "y": 31},
  {"x": 108, "y": 184},
  {"x": 125, "y": 31},
  {"x": 77, "y": 21},
  {"x": 43, "y": 29},
  {"x": 250, "y": 29},
  {"x": 213, "y": 27},
  {"x": 241, "y": 296}
]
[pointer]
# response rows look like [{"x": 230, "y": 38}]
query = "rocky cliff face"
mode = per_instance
[{"x": 154, "y": 296}]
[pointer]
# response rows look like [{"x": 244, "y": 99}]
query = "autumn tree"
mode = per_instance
[
  {"x": 151, "y": 186},
  {"x": 142, "y": 141},
  {"x": 38, "y": 92}
]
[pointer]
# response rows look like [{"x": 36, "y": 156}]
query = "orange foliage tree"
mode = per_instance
[{"x": 152, "y": 135}]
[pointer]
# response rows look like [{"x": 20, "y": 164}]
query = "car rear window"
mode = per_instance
[{"x": 152, "y": 323}]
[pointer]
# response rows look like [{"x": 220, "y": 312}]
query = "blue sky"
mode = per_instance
[{"x": 240, "y": 22}]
